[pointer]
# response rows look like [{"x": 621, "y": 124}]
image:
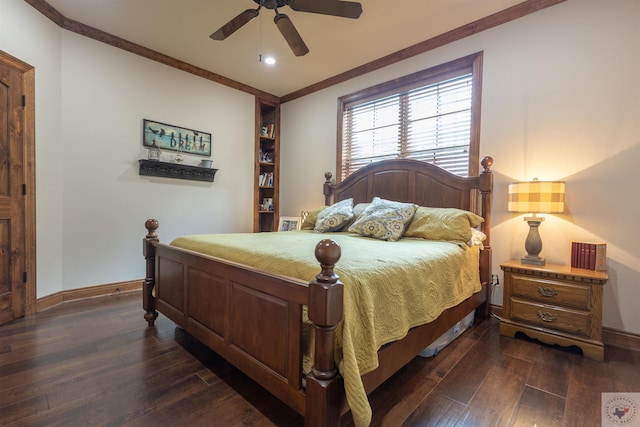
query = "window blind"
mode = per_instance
[{"x": 431, "y": 122}]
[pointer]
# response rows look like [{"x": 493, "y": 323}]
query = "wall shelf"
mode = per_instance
[{"x": 175, "y": 170}]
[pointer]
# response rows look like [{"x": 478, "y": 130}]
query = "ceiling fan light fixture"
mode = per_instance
[{"x": 346, "y": 9}]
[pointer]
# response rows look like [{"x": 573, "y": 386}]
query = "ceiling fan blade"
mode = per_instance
[
  {"x": 232, "y": 26},
  {"x": 345, "y": 9},
  {"x": 290, "y": 34}
]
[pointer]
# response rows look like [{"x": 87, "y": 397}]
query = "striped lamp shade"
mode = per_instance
[{"x": 536, "y": 197}]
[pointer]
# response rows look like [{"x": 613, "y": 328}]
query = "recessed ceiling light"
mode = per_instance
[{"x": 269, "y": 60}]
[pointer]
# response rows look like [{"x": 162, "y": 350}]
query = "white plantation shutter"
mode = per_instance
[{"x": 429, "y": 120}]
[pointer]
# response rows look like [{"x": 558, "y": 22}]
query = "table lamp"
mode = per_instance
[{"x": 535, "y": 197}]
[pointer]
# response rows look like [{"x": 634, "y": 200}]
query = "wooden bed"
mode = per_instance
[{"x": 233, "y": 308}]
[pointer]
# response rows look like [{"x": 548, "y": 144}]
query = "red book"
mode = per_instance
[
  {"x": 589, "y": 256},
  {"x": 583, "y": 255}
]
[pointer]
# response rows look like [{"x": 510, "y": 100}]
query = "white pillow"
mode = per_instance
[{"x": 477, "y": 237}]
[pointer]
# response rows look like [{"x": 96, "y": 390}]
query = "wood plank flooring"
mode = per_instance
[{"x": 94, "y": 362}]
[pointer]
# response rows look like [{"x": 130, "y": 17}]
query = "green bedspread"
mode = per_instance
[{"x": 389, "y": 287}]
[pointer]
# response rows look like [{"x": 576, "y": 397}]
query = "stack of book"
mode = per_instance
[
  {"x": 265, "y": 179},
  {"x": 590, "y": 256}
]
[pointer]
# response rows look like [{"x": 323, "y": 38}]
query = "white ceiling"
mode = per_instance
[{"x": 181, "y": 29}]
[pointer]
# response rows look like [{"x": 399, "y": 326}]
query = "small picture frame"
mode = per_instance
[{"x": 289, "y": 223}]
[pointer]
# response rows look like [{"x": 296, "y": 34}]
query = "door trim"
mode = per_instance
[{"x": 29, "y": 170}]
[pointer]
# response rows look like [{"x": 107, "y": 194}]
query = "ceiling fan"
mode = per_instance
[{"x": 346, "y": 9}]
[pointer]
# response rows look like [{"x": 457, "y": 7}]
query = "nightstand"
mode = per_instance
[{"x": 555, "y": 304}]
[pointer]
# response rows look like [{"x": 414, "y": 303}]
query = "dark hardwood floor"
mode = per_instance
[{"x": 94, "y": 362}]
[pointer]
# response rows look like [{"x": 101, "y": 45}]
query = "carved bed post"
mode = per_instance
[
  {"x": 486, "y": 187},
  {"x": 324, "y": 385},
  {"x": 327, "y": 188},
  {"x": 149, "y": 252}
]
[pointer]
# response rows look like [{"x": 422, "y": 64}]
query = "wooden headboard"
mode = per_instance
[
  {"x": 424, "y": 184},
  {"x": 413, "y": 181}
]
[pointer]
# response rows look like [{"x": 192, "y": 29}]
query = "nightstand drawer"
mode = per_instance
[
  {"x": 551, "y": 291},
  {"x": 550, "y": 317}
]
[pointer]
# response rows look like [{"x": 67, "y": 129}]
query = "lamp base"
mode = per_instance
[
  {"x": 533, "y": 244},
  {"x": 532, "y": 260}
]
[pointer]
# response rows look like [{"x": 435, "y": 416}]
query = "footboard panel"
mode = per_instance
[
  {"x": 173, "y": 296},
  {"x": 251, "y": 318},
  {"x": 208, "y": 308}
]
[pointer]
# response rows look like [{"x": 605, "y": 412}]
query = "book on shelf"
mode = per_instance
[
  {"x": 265, "y": 179},
  {"x": 589, "y": 256}
]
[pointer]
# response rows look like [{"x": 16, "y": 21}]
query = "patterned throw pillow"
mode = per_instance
[
  {"x": 384, "y": 219},
  {"x": 335, "y": 216}
]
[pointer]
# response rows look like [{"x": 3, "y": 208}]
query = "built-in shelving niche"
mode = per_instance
[{"x": 175, "y": 170}]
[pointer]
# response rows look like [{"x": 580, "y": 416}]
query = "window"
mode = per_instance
[{"x": 432, "y": 115}]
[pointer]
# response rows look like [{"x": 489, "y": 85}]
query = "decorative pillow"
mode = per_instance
[
  {"x": 384, "y": 219},
  {"x": 310, "y": 221},
  {"x": 443, "y": 224},
  {"x": 334, "y": 217}
]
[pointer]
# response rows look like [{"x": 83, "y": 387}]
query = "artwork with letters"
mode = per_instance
[{"x": 175, "y": 138}]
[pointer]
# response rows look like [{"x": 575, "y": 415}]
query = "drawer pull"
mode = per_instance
[
  {"x": 547, "y": 317},
  {"x": 547, "y": 292}
]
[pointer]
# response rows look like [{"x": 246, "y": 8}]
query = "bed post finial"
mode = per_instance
[
  {"x": 151, "y": 225},
  {"x": 328, "y": 254},
  {"x": 325, "y": 310},
  {"x": 327, "y": 189},
  {"x": 149, "y": 252},
  {"x": 486, "y": 163}
]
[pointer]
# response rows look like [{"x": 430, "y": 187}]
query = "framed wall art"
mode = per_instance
[{"x": 175, "y": 138}]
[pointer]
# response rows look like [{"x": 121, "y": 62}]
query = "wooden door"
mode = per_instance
[{"x": 13, "y": 273}]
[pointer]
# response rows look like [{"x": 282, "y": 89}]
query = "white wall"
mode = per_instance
[
  {"x": 561, "y": 100},
  {"x": 91, "y": 99},
  {"x": 35, "y": 40}
]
